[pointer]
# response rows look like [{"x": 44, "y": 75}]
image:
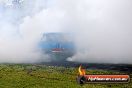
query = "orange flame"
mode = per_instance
[{"x": 81, "y": 71}]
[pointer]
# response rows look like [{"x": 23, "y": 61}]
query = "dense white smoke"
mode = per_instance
[
  {"x": 20, "y": 32},
  {"x": 102, "y": 29}
]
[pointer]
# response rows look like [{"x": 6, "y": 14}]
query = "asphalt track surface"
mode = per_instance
[{"x": 127, "y": 68}]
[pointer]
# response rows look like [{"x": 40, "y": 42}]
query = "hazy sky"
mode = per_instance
[{"x": 102, "y": 29}]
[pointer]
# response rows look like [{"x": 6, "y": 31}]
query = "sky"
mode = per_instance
[{"x": 102, "y": 29}]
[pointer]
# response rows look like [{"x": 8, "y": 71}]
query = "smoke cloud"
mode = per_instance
[{"x": 102, "y": 29}]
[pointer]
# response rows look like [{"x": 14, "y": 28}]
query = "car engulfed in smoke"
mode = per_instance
[{"x": 59, "y": 46}]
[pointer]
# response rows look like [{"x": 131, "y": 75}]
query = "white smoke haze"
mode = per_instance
[{"x": 102, "y": 29}]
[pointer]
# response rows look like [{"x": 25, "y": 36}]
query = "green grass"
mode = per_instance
[{"x": 41, "y": 76}]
